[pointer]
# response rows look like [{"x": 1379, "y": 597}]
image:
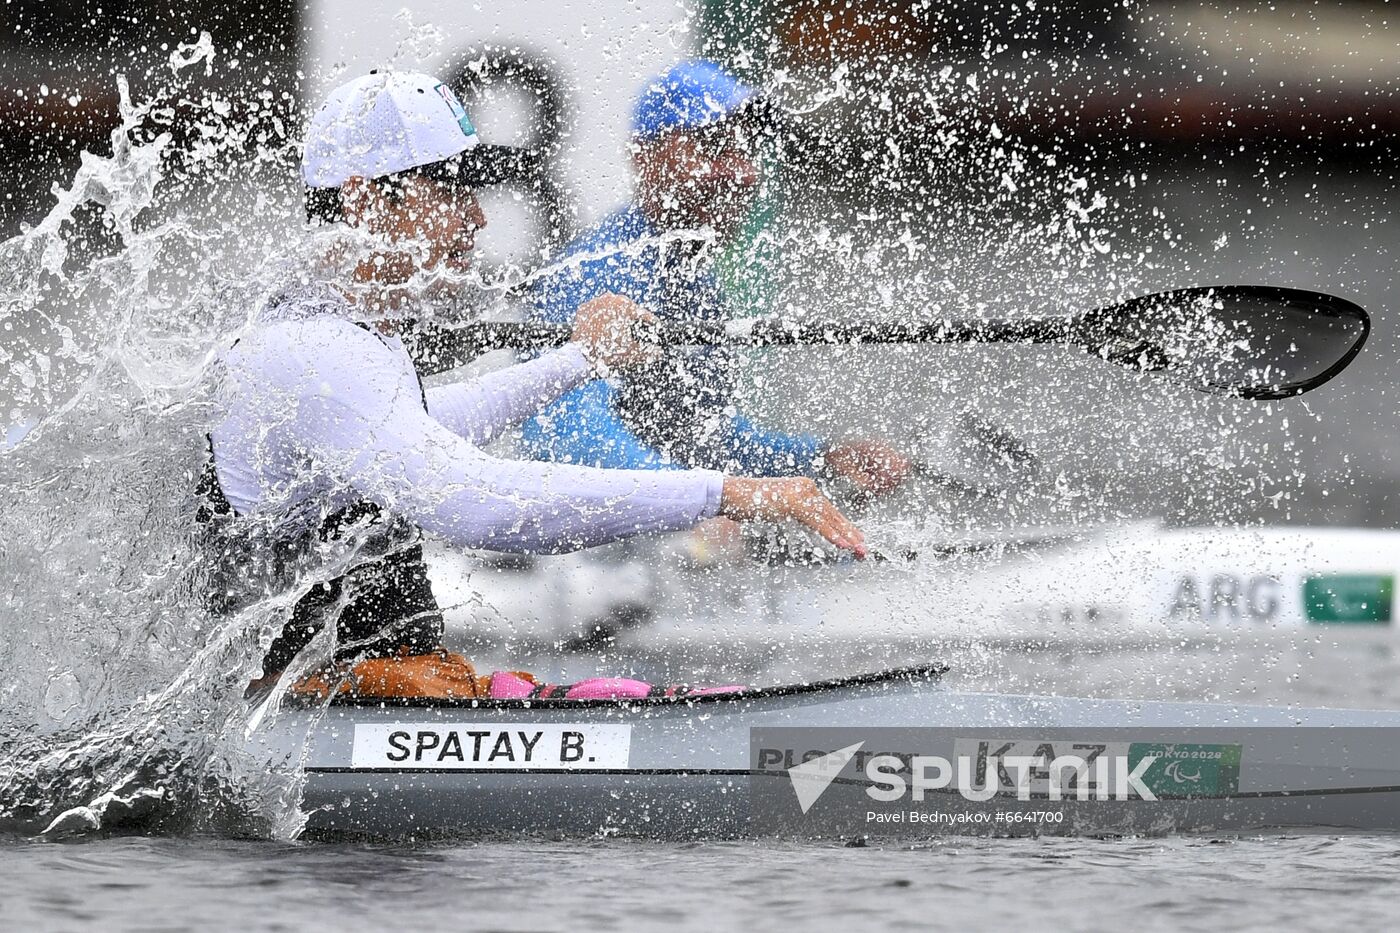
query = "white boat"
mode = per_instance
[
  {"x": 1133, "y": 584},
  {"x": 734, "y": 764}
]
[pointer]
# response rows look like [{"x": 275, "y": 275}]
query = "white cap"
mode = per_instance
[{"x": 381, "y": 124}]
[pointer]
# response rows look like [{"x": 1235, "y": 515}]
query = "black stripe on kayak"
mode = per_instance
[
  {"x": 747, "y": 772},
  {"x": 628, "y": 772},
  {"x": 928, "y": 672}
]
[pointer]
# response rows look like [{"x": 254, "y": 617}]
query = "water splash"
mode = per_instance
[
  {"x": 123, "y": 694},
  {"x": 187, "y": 54}
]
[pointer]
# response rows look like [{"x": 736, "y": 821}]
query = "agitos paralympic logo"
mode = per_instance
[{"x": 978, "y": 770}]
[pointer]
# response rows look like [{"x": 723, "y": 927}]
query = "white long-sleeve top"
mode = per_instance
[{"x": 320, "y": 410}]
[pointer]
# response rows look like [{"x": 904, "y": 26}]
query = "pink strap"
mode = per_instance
[
  {"x": 607, "y": 688},
  {"x": 508, "y": 686}
]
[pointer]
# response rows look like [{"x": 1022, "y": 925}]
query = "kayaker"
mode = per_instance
[
  {"x": 697, "y": 177},
  {"x": 328, "y": 436}
]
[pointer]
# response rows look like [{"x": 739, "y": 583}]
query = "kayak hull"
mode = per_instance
[
  {"x": 707, "y": 805},
  {"x": 686, "y": 767}
]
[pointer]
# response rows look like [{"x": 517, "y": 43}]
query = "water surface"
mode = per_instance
[{"x": 1253, "y": 882}]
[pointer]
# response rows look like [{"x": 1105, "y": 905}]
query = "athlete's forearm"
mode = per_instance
[
  {"x": 417, "y": 468},
  {"x": 480, "y": 409}
]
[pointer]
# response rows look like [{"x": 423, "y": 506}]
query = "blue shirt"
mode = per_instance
[{"x": 677, "y": 413}]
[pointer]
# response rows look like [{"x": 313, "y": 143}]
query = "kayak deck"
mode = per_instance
[{"x": 922, "y": 674}]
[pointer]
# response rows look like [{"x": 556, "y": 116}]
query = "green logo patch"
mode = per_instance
[
  {"x": 1357, "y": 598},
  {"x": 1188, "y": 769}
]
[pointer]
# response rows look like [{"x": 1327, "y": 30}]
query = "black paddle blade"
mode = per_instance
[{"x": 1249, "y": 341}]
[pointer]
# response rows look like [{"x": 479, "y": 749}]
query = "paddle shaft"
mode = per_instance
[
  {"x": 772, "y": 332},
  {"x": 1201, "y": 336}
]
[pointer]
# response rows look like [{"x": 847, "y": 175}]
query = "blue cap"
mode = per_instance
[{"x": 692, "y": 94}]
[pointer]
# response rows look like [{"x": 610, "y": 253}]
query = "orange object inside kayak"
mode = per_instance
[{"x": 441, "y": 674}]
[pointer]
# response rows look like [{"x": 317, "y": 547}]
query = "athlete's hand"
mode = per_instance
[
  {"x": 873, "y": 466},
  {"x": 607, "y": 331},
  {"x": 796, "y": 498}
]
